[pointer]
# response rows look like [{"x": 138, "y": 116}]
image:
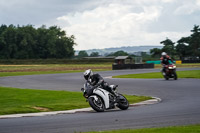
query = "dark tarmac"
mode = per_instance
[{"x": 180, "y": 104}]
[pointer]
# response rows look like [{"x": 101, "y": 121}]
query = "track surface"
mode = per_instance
[{"x": 180, "y": 104}]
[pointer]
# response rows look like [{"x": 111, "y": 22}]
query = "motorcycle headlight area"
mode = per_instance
[{"x": 172, "y": 67}]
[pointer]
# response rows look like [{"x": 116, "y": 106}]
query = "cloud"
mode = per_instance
[
  {"x": 39, "y": 12},
  {"x": 103, "y": 23},
  {"x": 110, "y": 25},
  {"x": 188, "y": 7},
  {"x": 167, "y": 1},
  {"x": 117, "y": 24},
  {"x": 198, "y": 2}
]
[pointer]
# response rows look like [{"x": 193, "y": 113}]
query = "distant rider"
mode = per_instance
[
  {"x": 96, "y": 80},
  {"x": 165, "y": 61}
]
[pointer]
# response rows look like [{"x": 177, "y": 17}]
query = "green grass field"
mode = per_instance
[
  {"x": 177, "y": 129},
  {"x": 15, "y": 100},
  {"x": 181, "y": 74},
  {"x": 5, "y": 74},
  {"x": 184, "y": 65},
  {"x": 17, "y": 70}
]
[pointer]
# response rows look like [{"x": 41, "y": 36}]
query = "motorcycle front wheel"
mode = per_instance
[
  {"x": 123, "y": 103},
  {"x": 175, "y": 76},
  {"x": 166, "y": 77},
  {"x": 96, "y": 103}
]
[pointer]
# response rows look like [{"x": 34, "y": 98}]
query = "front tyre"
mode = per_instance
[
  {"x": 123, "y": 103},
  {"x": 175, "y": 76},
  {"x": 166, "y": 77},
  {"x": 96, "y": 103}
]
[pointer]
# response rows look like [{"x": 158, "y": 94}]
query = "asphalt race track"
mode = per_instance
[{"x": 180, "y": 104}]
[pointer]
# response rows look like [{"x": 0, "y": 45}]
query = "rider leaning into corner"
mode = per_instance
[
  {"x": 165, "y": 61},
  {"x": 96, "y": 80}
]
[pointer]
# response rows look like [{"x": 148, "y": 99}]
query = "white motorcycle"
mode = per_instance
[{"x": 101, "y": 100}]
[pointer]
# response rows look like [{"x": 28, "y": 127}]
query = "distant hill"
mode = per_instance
[{"x": 128, "y": 49}]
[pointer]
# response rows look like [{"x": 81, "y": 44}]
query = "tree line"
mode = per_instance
[
  {"x": 185, "y": 47},
  {"x": 83, "y": 53},
  {"x": 28, "y": 42}
]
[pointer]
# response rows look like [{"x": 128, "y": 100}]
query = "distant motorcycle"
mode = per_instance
[
  {"x": 101, "y": 100},
  {"x": 170, "y": 72}
]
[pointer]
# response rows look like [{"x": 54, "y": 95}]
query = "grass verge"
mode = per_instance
[
  {"x": 175, "y": 129},
  {"x": 184, "y": 65},
  {"x": 5, "y": 74},
  {"x": 35, "y": 69},
  {"x": 18, "y": 70},
  {"x": 181, "y": 74},
  {"x": 15, "y": 100}
]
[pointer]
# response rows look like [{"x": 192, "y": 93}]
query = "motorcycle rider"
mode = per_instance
[
  {"x": 96, "y": 80},
  {"x": 165, "y": 61}
]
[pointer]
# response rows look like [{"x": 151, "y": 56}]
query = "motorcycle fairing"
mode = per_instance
[{"x": 104, "y": 94}]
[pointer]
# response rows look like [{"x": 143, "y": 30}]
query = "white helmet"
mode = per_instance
[
  {"x": 87, "y": 74},
  {"x": 164, "y": 54}
]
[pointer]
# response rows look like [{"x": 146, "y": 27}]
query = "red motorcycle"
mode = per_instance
[{"x": 170, "y": 72}]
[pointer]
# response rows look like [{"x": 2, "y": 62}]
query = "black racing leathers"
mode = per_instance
[
  {"x": 96, "y": 80},
  {"x": 165, "y": 61}
]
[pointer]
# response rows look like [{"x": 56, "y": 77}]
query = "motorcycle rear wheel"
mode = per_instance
[{"x": 96, "y": 104}]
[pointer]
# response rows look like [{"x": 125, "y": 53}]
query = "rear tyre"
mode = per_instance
[
  {"x": 123, "y": 103},
  {"x": 96, "y": 103}
]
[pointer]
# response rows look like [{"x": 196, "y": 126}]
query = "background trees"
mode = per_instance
[
  {"x": 194, "y": 41},
  {"x": 156, "y": 52},
  {"x": 94, "y": 54},
  {"x": 185, "y": 47},
  {"x": 182, "y": 48},
  {"x": 119, "y": 53},
  {"x": 27, "y": 42},
  {"x": 169, "y": 47},
  {"x": 82, "y": 54}
]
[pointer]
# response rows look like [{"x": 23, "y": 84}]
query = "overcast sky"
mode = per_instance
[{"x": 107, "y": 23}]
